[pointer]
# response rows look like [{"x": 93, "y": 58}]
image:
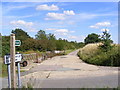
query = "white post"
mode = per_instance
[
  {"x": 9, "y": 76},
  {"x": 19, "y": 80}
]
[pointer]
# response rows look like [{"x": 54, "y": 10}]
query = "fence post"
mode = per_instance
[{"x": 12, "y": 58}]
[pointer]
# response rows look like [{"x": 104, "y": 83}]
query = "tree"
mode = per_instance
[
  {"x": 52, "y": 42},
  {"x": 106, "y": 40},
  {"x": 92, "y": 38},
  {"x": 0, "y": 45},
  {"x": 60, "y": 45},
  {"x": 43, "y": 40},
  {"x": 41, "y": 35},
  {"x": 29, "y": 44},
  {"x": 20, "y": 34},
  {"x": 5, "y": 45}
]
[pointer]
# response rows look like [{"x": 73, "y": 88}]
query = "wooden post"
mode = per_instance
[
  {"x": 12, "y": 57},
  {"x": 37, "y": 60}
]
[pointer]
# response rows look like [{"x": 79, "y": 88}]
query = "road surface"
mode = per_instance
[{"x": 69, "y": 71}]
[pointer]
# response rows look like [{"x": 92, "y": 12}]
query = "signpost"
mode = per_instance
[
  {"x": 19, "y": 80},
  {"x": 13, "y": 58},
  {"x": 7, "y": 61},
  {"x": 17, "y": 42},
  {"x": 18, "y": 58}
]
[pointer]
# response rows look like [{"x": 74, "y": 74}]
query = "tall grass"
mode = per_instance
[{"x": 92, "y": 54}]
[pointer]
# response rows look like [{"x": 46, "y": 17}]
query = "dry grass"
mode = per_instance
[{"x": 89, "y": 49}]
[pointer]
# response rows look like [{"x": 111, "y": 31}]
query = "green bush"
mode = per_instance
[{"x": 109, "y": 58}]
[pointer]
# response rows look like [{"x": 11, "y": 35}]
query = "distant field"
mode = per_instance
[{"x": 92, "y": 54}]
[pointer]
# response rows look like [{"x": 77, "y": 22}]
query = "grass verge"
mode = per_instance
[{"x": 69, "y": 51}]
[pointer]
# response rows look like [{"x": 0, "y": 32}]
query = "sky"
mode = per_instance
[{"x": 68, "y": 20}]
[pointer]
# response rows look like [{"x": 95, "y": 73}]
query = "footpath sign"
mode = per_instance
[
  {"x": 10, "y": 61},
  {"x": 17, "y": 42},
  {"x": 18, "y": 58},
  {"x": 7, "y": 59}
]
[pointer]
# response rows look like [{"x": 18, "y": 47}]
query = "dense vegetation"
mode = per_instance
[
  {"x": 95, "y": 38},
  {"x": 104, "y": 53},
  {"x": 93, "y": 55},
  {"x": 42, "y": 42},
  {"x": 92, "y": 38}
]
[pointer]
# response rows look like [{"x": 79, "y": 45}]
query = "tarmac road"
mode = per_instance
[{"x": 110, "y": 81}]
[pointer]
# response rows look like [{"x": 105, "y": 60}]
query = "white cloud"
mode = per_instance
[
  {"x": 101, "y": 24},
  {"x": 106, "y": 24},
  {"x": 50, "y": 29},
  {"x": 61, "y": 34},
  {"x": 96, "y": 27},
  {"x": 55, "y": 16},
  {"x": 105, "y": 30},
  {"x": 46, "y": 7},
  {"x": 59, "y": 16},
  {"x": 18, "y": 6},
  {"x": 62, "y": 30},
  {"x": 76, "y": 38},
  {"x": 21, "y": 22},
  {"x": 24, "y": 25},
  {"x": 66, "y": 34},
  {"x": 71, "y": 12}
]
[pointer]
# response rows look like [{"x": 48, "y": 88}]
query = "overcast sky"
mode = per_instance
[{"x": 69, "y": 20}]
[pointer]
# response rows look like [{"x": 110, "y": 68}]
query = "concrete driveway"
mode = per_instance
[{"x": 69, "y": 71}]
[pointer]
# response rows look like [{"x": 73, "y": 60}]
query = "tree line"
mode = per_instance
[
  {"x": 48, "y": 42},
  {"x": 41, "y": 42}
]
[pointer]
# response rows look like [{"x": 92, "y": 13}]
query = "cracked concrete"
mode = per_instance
[
  {"x": 68, "y": 71},
  {"x": 65, "y": 67}
]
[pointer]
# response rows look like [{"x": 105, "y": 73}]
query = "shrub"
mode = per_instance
[{"x": 93, "y": 55}]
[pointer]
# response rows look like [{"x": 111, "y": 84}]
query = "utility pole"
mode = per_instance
[{"x": 12, "y": 58}]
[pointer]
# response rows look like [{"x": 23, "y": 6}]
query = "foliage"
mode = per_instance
[
  {"x": 92, "y": 38},
  {"x": 23, "y": 36},
  {"x": 106, "y": 41},
  {"x": 0, "y": 45},
  {"x": 20, "y": 34},
  {"x": 5, "y": 45},
  {"x": 93, "y": 55},
  {"x": 3, "y": 69},
  {"x": 42, "y": 42},
  {"x": 41, "y": 35},
  {"x": 51, "y": 42}
]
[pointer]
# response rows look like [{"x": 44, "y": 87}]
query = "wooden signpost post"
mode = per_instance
[{"x": 12, "y": 58}]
